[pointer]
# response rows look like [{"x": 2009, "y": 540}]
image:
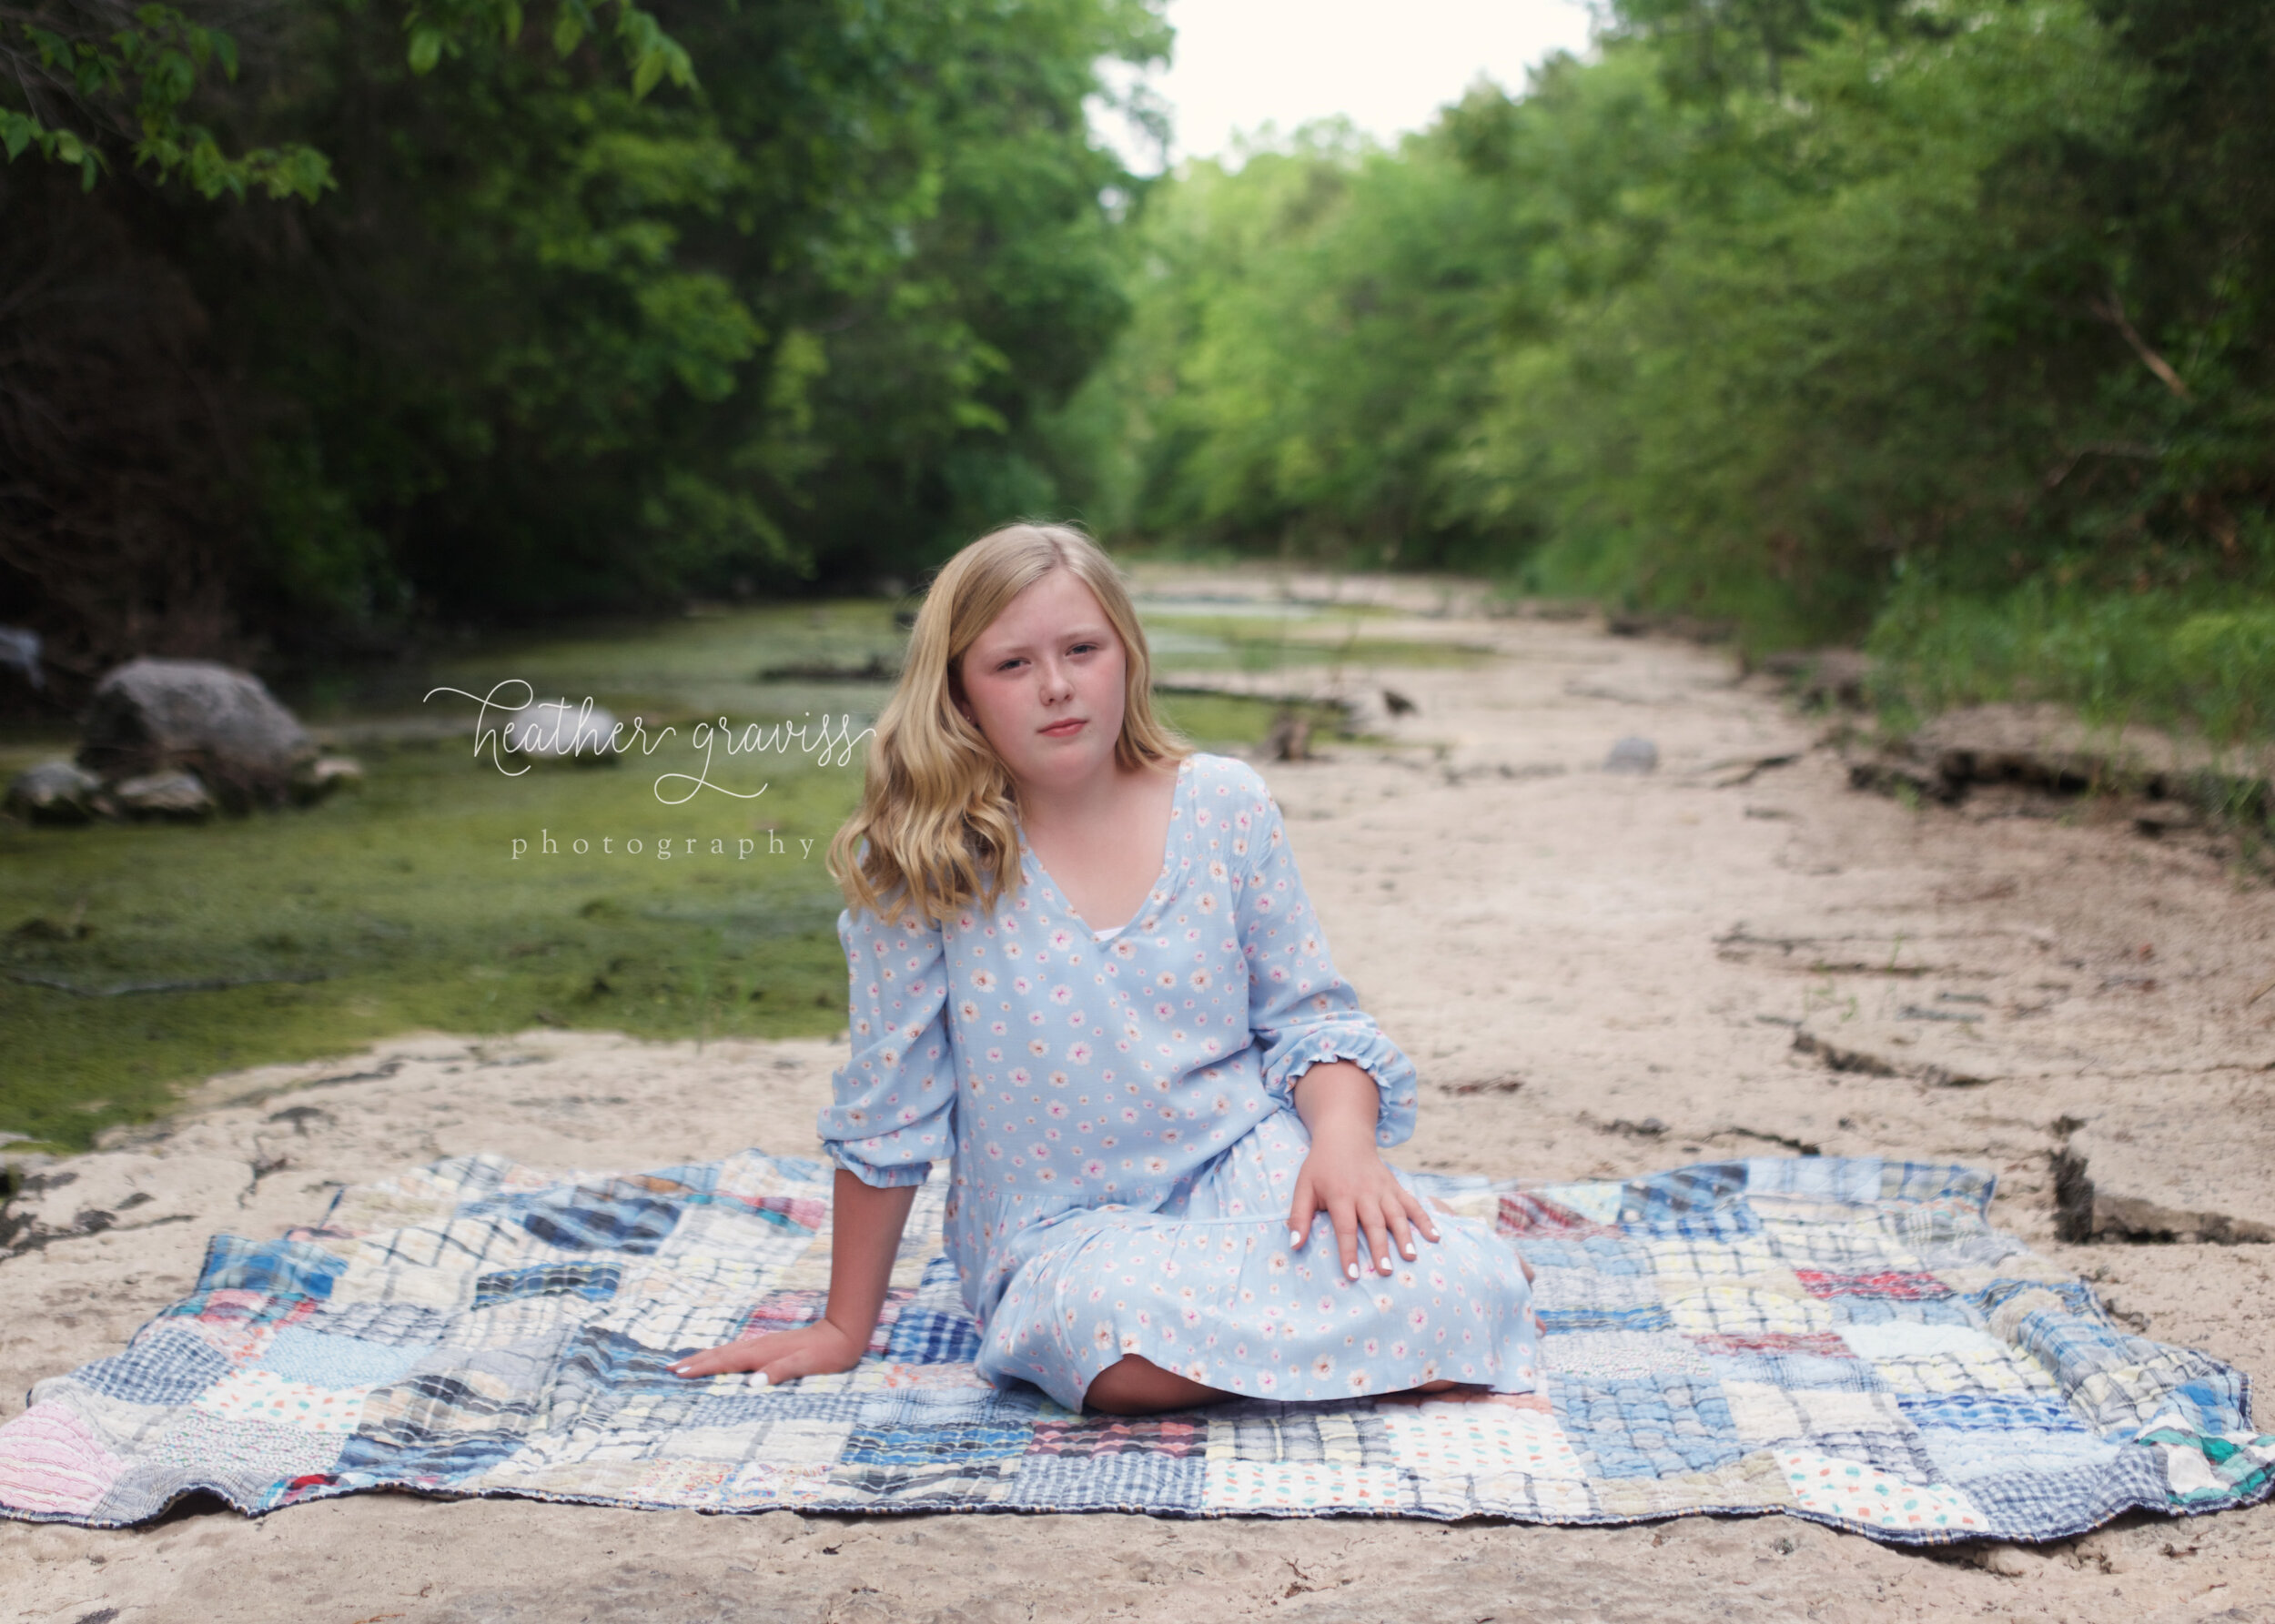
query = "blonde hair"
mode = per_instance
[{"x": 938, "y": 823}]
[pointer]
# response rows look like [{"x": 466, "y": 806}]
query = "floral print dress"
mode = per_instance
[{"x": 1117, "y": 1113}]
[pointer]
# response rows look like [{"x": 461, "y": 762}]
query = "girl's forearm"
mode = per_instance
[
  {"x": 865, "y": 1236},
  {"x": 1337, "y": 1099}
]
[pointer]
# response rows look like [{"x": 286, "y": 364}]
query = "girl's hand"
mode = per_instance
[
  {"x": 818, "y": 1350},
  {"x": 865, "y": 1225},
  {"x": 1345, "y": 1178}
]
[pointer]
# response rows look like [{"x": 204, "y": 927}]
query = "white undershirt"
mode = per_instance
[{"x": 1108, "y": 936}]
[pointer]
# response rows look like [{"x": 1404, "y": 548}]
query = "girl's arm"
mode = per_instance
[
  {"x": 865, "y": 1234},
  {"x": 1344, "y": 1177},
  {"x": 1324, "y": 1054},
  {"x": 892, "y": 1111}
]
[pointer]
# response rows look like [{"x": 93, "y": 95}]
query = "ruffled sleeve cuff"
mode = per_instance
[
  {"x": 1360, "y": 1041},
  {"x": 887, "y": 1177}
]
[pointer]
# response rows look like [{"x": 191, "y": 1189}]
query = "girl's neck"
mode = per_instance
[
  {"x": 1088, "y": 802},
  {"x": 1102, "y": 843}
]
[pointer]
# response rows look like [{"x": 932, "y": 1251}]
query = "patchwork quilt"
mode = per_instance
[{"x": 1845, "y": 1340}]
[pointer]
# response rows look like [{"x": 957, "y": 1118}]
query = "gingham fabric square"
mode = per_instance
[
  {"x": 166, "y": 1364},
  {"x": 1733, "y": 1310},
  {"x": 1631, "y": 1429},
  {"x": 1767, "y": 1415}
]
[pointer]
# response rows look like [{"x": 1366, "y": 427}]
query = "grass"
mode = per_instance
[
  {"x": 2201, "y": 662},
  {"x": 404, "y": 905},
  {"x": 1189, "y": 642}
]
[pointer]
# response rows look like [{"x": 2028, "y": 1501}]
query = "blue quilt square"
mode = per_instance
[
  {"x": 1685, "y": 1191},
  {"x": 164, "y": 1366},
  {"x": 594, "y": 1282},
  {"x": 939, "y": 1445},
  {"x": 433, "y": 1460},
  {"x": 921, "y": 1337},
  {"x": 622, "y": 1215},
  {"x": 272, "y": 1268},
  {"x": 396, "y": 1323},
  {"x": 1651, "y": 1426},
  {"x": 1595, "y": 1254},
  {"x": 2048, "y": 1505},
  {"x": 298, "y": 1352},
  {"x": 1650, "y": 1316},
  {"x": 1129, "y": 1482}
]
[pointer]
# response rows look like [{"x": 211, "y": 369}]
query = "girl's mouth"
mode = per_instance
[{"x": 1067, "y": 729}]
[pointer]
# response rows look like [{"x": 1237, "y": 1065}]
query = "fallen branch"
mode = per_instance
[
  {"x": 2112, "y": 310},
  {"x": 1838, "y": 1059},
  {"x": 1798, "y": 1147},
  {"x": 1754, "y": 768}
]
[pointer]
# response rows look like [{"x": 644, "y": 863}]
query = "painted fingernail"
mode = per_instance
[
  {"x": 1295, "y": 1237},
  {"x": 760, "y": 1377},
  {"x": 1409, "y": 1248},
  {"x": 1354, "y": 1271}
]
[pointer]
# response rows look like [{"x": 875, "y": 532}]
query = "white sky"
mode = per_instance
[{"x": 1386, "y": 65}]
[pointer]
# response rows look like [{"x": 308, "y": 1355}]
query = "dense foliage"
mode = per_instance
[
  {"x": 1947, "y": 323},
  {"x": 415, "y": 315}
]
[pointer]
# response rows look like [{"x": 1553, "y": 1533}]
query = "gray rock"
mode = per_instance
[
  {"x": 167, "y": 716},
  {"x": 1633, "y": 755},
  {"x": 19, "y": 651},
  {"x": 557, "y": 730},
  {"x": 55, "y": 792},
  {"x": 174, "y": 797}
]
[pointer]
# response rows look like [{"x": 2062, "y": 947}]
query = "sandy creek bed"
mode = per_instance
[{"x": 1597, "y": 974}]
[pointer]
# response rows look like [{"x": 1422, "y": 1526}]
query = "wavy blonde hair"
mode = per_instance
[{"x": 938, "y": 824}]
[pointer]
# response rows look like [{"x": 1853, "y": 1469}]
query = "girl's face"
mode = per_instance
[{"x": 1044, "y": 684}]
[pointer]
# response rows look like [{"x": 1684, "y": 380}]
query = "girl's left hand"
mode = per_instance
[{"x": 1346, "y": 1179}]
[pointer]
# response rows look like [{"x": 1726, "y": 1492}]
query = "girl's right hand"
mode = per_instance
[{"x": 818, "y": 1350}]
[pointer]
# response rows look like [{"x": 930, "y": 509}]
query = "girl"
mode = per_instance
[{"x": 1159, "y": 1101}]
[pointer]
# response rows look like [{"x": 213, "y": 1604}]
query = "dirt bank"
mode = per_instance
[{"x": 1597, "y": 973}]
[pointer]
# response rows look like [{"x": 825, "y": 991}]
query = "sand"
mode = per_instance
[{"x": 1597, "y": 974}]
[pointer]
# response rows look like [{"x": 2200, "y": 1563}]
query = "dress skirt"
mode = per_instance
[{"x": 1208, "y": 1286}]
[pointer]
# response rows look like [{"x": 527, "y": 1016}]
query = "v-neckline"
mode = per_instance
[{"x": 1168, "y": 857}]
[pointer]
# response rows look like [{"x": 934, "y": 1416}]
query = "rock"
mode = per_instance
[
  {"x": 19, "y": 651},
  {"x": 556, "y": 731},
  {"x": 154, "y": 717},
  {"x": 174, "y": 797},
  {"x": 1397, "y": 703},
  {"x": 55, "y": 792},
  {"x": 1633, "y": 755},
  {"x": 315, "y": 780}
]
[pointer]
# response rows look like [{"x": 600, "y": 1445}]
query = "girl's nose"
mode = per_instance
[{"x": 1056, "y": 685}]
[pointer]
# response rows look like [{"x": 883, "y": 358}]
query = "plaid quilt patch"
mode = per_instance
[{"x": 1845, "y": 1340}]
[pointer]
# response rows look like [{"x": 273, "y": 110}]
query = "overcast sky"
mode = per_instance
[{"x": 1386, "y": 65}]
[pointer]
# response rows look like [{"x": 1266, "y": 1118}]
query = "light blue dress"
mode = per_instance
[{"x": 1116, "y": 1110}]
